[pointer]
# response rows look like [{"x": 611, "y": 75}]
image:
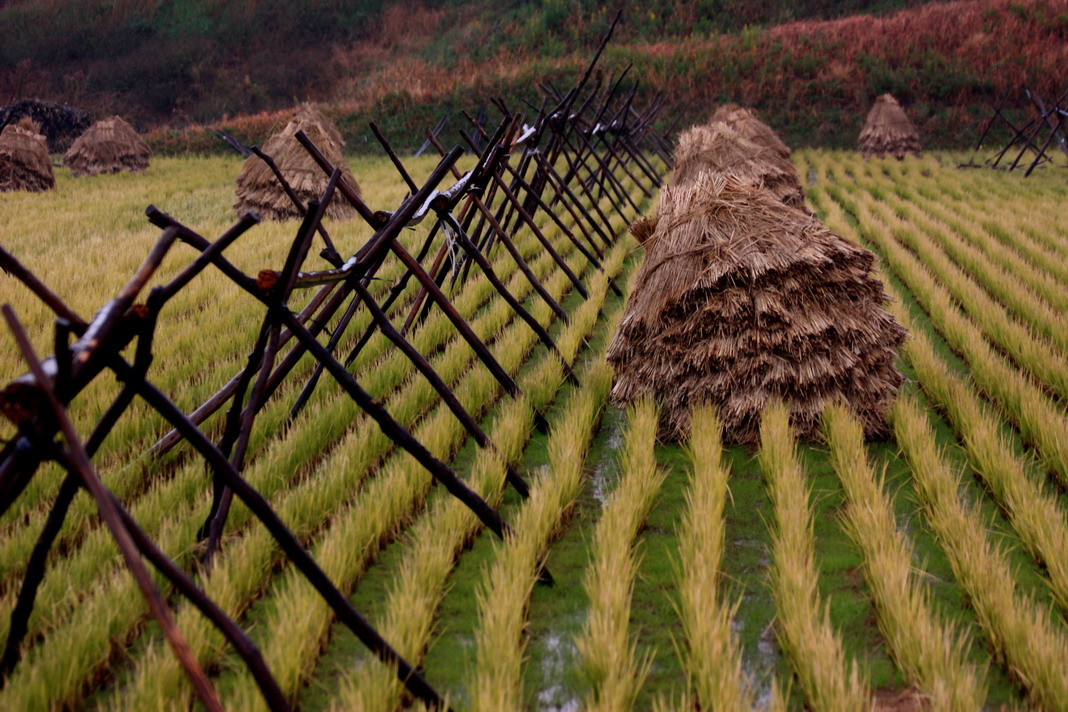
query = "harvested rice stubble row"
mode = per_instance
[
  {"x": 972, "y": 241},
  {"x": 931, "y": 653},
  {"x": 293, "y": 634},
  {"x": 613, "y": 667},
  {"x": 1025, "y": 638},
  {"x": 1036, "y": 515},
  {"x": 1040, "y": 421},
  {"x": 175, "y": 531},
  {"x": 711, "y": 653},
  {"x": 316, "y": 432},
  {"x": 437, "y": 540},
  {"x": 496, "y": 682},
  {"x": 392, "y": 486},
  {"x": 974, "y": 280},
  {"x": 1030, "y": 353},
  {"x": 128, "y": 482},
  {"x": 803, "y": 625}
]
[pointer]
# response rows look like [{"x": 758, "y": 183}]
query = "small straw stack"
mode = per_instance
[
  {"x": 888, "y": 131},
  {"x": 108, "y": 146},
  {"x": 745, "y": 298},
  {"x": 24, "y": 160},
  {"x": 259, "y": 190}
]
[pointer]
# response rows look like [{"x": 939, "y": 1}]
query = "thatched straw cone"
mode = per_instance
[
  {"x": 718, "y": 147},
  {"x": 888, "y": 131},
  {"x": 24, "y": 160},
  {"x": 745, "y": 122},
  {"x": 742, "y": 300},
  {"x": 259, "y": 190},
  {"x": 108, "y": 146},
  {"x": 310, "y": 114}
]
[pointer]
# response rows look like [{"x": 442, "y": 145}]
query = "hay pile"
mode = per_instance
[
  {"x": 108, "y": 146},
  {"x": 59, "y": 124},
  {"x": 24, "y": 160},
  {"x": 717, "y": 147},
  {"x": 258, "y": 189},
  {"x": 310, "y": 114},
  {"x": 746, "y": 123},
  {"x": 741, "y": 300},
  {"x": 888, "y": 131}
]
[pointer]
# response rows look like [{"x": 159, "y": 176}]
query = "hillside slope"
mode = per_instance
[{"x": 407, "y": 64}]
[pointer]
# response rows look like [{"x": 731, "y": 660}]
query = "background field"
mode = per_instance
[{"x": 950, "y": 577}]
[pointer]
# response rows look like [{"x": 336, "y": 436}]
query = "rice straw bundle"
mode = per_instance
[
  {"x": 888, "y": 130},
  {"x": 743, "y": 300},
  {"x": 24, "y": 160},
  {"x": 718, "y": 147},
  {"x": 309, "y": 113},
  {"x": 108, "y": 146},
  {"x": 259, "y": 190},
  {"x": 746, "y": 123}
]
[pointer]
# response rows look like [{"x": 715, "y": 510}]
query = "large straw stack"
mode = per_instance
[
  {"x": 717, "y": 147},
  {"x": 888, "y": 131},
  {"x": 258, "y": 189},
  {"x": 746, "y": 123},
  {"x": 310, "y": 114},
  {"x": 745, "y": 298},
  {"x": 24, "y": 160},
  {"x": 108, "y": 146},
  {"x": 742, "y": 300}
]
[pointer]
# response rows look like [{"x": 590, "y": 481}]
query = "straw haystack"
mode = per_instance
[
  {"x": 259, "y": 190},
  {"x": 59, "y": 124},
  {"x": 718, "y": 147},
  {"x": 888, "y": 131},
  {"x": 24, "y": 160},
  {"x": 745, "y": 122},
  {"x": 742, "y": 300},
  {"x": 310, "y": 114},
  {"x": 108, "y": 146}
]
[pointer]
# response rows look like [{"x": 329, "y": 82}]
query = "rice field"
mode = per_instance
[{"x": 830, "y": 576}]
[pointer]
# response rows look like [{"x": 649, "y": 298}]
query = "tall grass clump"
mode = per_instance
[{"x": 803, "y": 621}]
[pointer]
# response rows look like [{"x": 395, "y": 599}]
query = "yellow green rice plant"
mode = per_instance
[
  {"x": 987, "y": 291},
  {"x": 1025, "y": 639},
  {"x": 613, "y": 668},
  {"x": 1035, "y": 513},
  {"x": 1040, "y": 421},
  {"x": 299, "y": 615},
  {"x": 802, "y": 620},
  {"x": 711, "y": 652},
  {"x": 496, "y": 682},
  {"x": 329, "y": 503},
  {"x": 931, "y": 653},
  {"x": 1030, "y": 353},
  {"x": 436, "y": 541}
]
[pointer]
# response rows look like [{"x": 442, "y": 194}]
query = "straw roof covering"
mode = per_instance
[
  {"x": 888, "y": 131},
  {"x": 745, "y": 122},
  {"x": 742, "y": 300},
  {"x": 310, "y": 114},
  {"x": 718, "y": 147},
  {"x": 258, "y": 189},
  {"x": 108, "y": 146},
  {"x": 24, "y": 160}
]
